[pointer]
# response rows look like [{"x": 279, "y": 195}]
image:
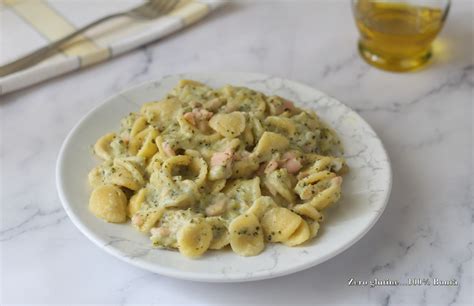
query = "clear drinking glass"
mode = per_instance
[{"x": 397, "y": 35}]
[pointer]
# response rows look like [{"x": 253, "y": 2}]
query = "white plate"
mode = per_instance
[{"x": 365, "y": 189}]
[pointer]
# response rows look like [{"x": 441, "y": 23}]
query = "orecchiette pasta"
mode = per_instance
[
  {"x": 220, "y": 234},
  {"x": 261, "y": 205},
  {"x": 300, "y": 235},
  {"x": 207, "y": 168},
  {"x": 194, "y": 238},
  {"x": 269, "y": 144},
  {"x": 246, "y": 235},
  {"x": 145, "y": 219},
  {"x": 136, "y": 202},
  {"x": 282, "y": 123},
  {"x": 309, "y": 211},
  {"x": 125, "y": 173},
  {"x": 108, "y": 202},
  {"x": 102, "y": 147},
  {"x": 228, "y": 125},
  {"x": 281, "y": 183},
  {"x": 280, "y": 223}
]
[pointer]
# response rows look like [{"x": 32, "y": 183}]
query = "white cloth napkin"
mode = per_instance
[{"x": 27, "y": 25}]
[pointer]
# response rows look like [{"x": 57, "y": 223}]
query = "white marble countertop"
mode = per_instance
[{"x": 423, "y": 118}]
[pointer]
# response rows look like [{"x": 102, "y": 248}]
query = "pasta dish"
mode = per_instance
[{"x": 206, "y": 168}]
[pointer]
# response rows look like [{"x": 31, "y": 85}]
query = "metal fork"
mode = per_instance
[{"x": 149, "y": 10}]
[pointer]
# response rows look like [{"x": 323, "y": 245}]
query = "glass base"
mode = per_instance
[{"x": 391, "y": 63}]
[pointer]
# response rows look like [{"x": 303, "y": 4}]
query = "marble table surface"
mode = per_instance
[{"x": 424, "y": 119}]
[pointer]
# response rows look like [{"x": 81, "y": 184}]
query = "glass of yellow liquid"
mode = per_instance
[{"x": 397, "y": 35}]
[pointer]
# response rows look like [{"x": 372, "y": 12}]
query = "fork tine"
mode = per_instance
[
  {"x": 160, "y": 7},
  {"x": 169, "y": 6},
  {"x": 173, "y": 5},
  {"x": 176, "y": 3},
  {"x": 154, "y": 5},
  {"x": 156, "y": 8}
]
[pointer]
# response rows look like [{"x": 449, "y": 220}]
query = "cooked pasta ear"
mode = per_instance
[
  {"x": 136, "y": 141},
  {"x": 154, "y": 164},
  {"x": 161, "y": 113},
  {"x": 246, "y": 191},
  {"x": 194, "y": 238},
  {"x": 256, "y": 128},
  {"x": 214, "y": 187},
  {"x": 95, "y": 177},
  {"x": 220, "y": 234},
  {"x": 228, "y": 125},
  {"x": 244, "y": 168},
  {"x": 329, "y": 195},
  {"x": 261, "y": 205},
  {"x": 173, "y": 162},
  {"x": 147, "y": 147},
  {"x": 309, "y": 211},
  {"x": 109, "y": 203},
  {"x": 145, "y": 219},
  {"x": 283, "y": 124},
  {"x": 323, "y": 163},
  {"x": 269, "y": 143},
  {"x": 279, "y": 182},
  {"x": 102, "y": 146},
  {"x": 246, "y": 236},
  {"x": 248, "y": 136},
  {"x": 301, "y": 234},
  {"x": 136, "y": 202},
  {"x": 125, "y": 173},
  {"x": 138, "y": 125},
  {"x": 196, "y": 167},
  {"x": 313, "y": 228},
  {"x": 322, "y": 189},
  {"x": 309, "y": 186},
  {"x": 280, "y": 223},
  {"x": 184, "y": 83}
]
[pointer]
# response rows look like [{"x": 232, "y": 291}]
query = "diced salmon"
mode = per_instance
[
  {"x": 221, "y": 158},
  {"x": 203, "y": 126},
  {"x": 168, "y": 150},
  {"x": 285, "y": 106},
  {"x": 291, "y": 162},
  {"x": 137, "y": 220},
  {"x": 189, "y": 117},
  {"x": 292, "y": 165},
  {"x": 337, "y": 180},
  {"x": 271, "y": 166},
  {"x": 288, "y": 105},
  {"x": 160, "y": 231},
  {"x": 202, "y": 114},
  {"x": 199, "y": 118}
]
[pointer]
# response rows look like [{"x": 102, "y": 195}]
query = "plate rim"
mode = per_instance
[{"x": 194, "y": 276}]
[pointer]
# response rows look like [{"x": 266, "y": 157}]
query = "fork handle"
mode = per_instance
[{"x": 50, "y": 49}]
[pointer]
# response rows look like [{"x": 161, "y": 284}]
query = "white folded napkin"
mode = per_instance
[{"x": 30, "y": 24}]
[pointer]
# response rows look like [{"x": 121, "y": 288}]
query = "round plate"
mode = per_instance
[{"x": 366, "y": 187}]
